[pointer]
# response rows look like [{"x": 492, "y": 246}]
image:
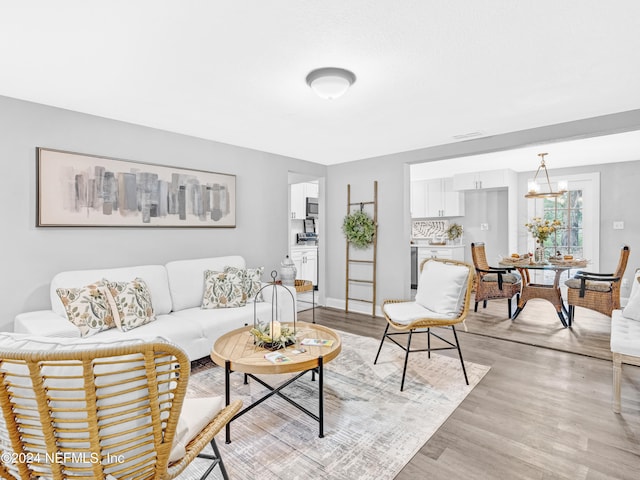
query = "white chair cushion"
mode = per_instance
[
  {"x": 186, "y": 278},
  {"x": 625, "y": 335},
  {"x": 195, "y": 415},
  {"x": 442, "y": 287},
  {"x": 632, "y": 309},
  {"x": 406, "y": 312},
  {"x": 635, "y": 285}
]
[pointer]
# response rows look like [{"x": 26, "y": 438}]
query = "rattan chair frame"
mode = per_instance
[
  {"x": 603, "y": 302},
  {"x": 492, "y": 290},
  {"x": 161, "y": 373},
  {"x": 424, "y": 325}
]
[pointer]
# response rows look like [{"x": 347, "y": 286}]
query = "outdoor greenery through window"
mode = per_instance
[{"x": 567, "y": 239}]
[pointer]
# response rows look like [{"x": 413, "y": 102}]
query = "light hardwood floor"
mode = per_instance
[{"x": 540, "y": 412}]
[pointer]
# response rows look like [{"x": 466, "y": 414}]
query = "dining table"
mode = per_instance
[{"x": 550, "y": 292}]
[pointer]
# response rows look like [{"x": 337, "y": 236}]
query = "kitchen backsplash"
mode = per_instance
[{"x": 428, "y": 228}]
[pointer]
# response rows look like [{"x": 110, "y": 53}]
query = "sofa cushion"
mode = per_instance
[
  {"x": 155, "y": 276},
  {"x": 88, "y": 308},
  {"x": 223, "y": 289},
  {"x": 186, "y": 278},
  {"x": 130, "y": 303},
  {"x": 624, "y": 334}
]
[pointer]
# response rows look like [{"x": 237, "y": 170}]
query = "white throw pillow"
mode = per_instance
[
  {"x": 442, "y": 287},
  {"x": 632, "y": 310}
]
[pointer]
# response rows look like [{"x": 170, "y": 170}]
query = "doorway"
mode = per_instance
[{"x": 306, "y": 248}]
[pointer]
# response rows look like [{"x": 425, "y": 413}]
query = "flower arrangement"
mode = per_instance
[
  {"x": 359, "y": 229},
  {"x": 541, "y": 229},
  {"x": 454, "y": 231},
  {"x": 281, "y": 337}
]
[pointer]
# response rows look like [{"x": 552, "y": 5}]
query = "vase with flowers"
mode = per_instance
[{"x": 540, "y": 230}]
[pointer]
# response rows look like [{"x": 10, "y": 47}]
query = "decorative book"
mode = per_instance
[
  {"x": 276, "y": 357},
  {"x": 316, "y": 342}
]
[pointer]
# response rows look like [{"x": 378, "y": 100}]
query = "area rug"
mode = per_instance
[{"x": 371, "y": 428}]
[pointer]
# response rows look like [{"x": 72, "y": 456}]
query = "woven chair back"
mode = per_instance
[
  {"x": 86, "y": 414},
  {"x": 479, "y": 256},
  {"x": 622, "y": 262}
]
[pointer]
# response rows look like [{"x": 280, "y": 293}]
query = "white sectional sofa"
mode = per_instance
[{"x": 176, "y": 293}]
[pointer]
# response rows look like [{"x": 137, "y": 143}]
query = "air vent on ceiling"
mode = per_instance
[{"x": 464, "y": 136}]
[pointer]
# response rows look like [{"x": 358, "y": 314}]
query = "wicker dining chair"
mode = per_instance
[
  {"x": 492, "y": 282},
  {"x": 99, "y": 413},
  {"x": 597, "y": 291},
  {"x": 442, "y": 300}
]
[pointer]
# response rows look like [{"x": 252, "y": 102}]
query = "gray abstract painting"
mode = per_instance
[{"x": 84, "y": 190}]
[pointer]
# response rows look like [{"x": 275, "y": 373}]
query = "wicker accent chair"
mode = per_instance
[
  {"x": 493, "y": 283},
  {"x": 96, "y": 413},
  {"x": 596, "y": 291},
  {"x": 442, "y": 300}
]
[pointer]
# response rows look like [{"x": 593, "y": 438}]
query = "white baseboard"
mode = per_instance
[{"x": 354, "y": 306}]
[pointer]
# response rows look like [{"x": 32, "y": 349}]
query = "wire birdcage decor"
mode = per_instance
[{"x": 275, "y": 333}]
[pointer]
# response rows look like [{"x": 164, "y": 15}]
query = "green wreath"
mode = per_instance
[{"x": 359, "y": 229}]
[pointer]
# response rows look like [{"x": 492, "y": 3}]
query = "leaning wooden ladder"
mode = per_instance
[{"x": 372, "y": 261}]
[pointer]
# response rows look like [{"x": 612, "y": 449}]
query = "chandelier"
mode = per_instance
[{"x": 535, "y": 189}]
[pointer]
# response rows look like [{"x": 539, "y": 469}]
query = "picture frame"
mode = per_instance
[{"x": 83, "y": 190}]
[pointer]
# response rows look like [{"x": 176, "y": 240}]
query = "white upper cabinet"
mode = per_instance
[
  {"x": 484, "y": 180},
  {"x": 435, "y": 198},
  {"x": 299, "y": 194}
]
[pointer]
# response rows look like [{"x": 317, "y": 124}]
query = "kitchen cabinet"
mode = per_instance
[
  {"x": 435, "y": 198},
  {"x": 484, "y": 180},
  {"x": 442, "y": 200},
  {"x": 299, "y": 194},
  {"x": 306, "y": 262}
]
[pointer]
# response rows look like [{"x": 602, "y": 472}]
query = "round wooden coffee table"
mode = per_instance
[{"x": 237, "y": 352}]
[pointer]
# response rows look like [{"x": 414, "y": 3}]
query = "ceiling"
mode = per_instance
[{"x": 234, "y": 71}]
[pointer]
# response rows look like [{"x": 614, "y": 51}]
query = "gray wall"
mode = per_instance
[
  {"x": 618, "y": 189},
  {"x": 30, "y": 256}
]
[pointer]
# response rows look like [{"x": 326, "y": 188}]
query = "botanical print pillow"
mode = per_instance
[
  {"x": 87, "y": 308},
  {"x": 130, "y": 303},
  {"x": 251, "y": 281},
  {"x": 223, "y": 290}
]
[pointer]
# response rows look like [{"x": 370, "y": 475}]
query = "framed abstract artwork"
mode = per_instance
[{"x": 80, "y": 190}]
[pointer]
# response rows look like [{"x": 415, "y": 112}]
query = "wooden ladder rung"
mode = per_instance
[
  {"x": 360, "y": 300},
  {"x": 362, "y": 203},
  {"x": 361, "y": 261},
  {"x": 359, "y": 280}
]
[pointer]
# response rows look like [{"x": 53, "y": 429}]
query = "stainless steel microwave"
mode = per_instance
[{"x": 312, "y": 207}]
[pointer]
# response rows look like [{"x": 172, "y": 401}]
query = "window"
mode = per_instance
[{"x": 567, "y": 239}]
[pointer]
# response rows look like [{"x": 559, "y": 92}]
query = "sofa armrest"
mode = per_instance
[{"x": 45, "y": 323}]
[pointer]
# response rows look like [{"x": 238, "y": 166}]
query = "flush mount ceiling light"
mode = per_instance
[
  {"x": 535, "y": 189},
  {"x": 330, "y": 82}
]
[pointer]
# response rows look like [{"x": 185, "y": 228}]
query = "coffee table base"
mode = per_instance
[{"x": 277, "y": 391}]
